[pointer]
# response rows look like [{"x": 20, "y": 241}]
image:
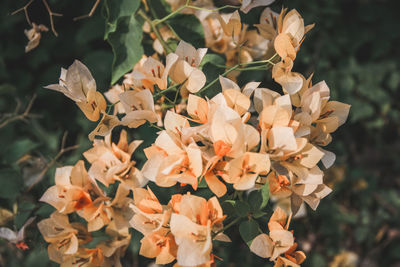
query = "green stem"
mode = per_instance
[
  {"x": 112, "y": 105},
  {"x": 155, "y": 30},
  {"x": 212, "y": 10},
  {"x": 217, "y": 79},
  {"x": 161, "y": 93},
  {"x": 155, "y": 126},
  {"x": 158, "y": 21},
  {"x": 237, "y": 66},
  {"x": 229, "y": 225}
]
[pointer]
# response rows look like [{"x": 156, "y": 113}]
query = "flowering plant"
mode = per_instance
[{"x": 243, "y": 145}]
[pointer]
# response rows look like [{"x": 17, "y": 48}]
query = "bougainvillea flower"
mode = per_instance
[
  {"x": 290, "y": 81},
  {"x": 185, "y": 70},
  {"x": 105, "y": 126},
  {"x": 244, "y": 170},
  {"x": 333, "y": 115},
  {"x": 149, "y": 72},
  {"x": 201, "y": 211},
  {"x": 139, "y": 108},
  {"x": 150, "y": 215},
  {"x": 268, "y": 26},
  {"x": 275, "y": 115},
  {"x": 64, "y": 237},
  {"x": 216, "y": 168},
  {"x": 235, "y": 99},
  {"x": 279, "y": 185},
  {"x": 231, "y": 24},
  {"x": 312, "y": 101},
  {"x": 278, "y": 241},
  {"x": 112, "y": 96},
  {"x": 192, "y": 228},
  {"x": 160, "y": 245},
  {"x": 291, "y": 31},
  {"x": 227, "y": 132},
  {"x": 256, "y": 45},
  {"x": 73, "y": 189},
  {"x": 110, "y": 162},
  {"x": 291, "y": 258},
  {"x": 193, "y": 240},
  {"x": 77, "y": 83},
  {"x": 214, "y": 35},
  {"x": 34, "y": 36},
  {"x": 197, "y": 108},
  {"x": 171, "y": 161}
]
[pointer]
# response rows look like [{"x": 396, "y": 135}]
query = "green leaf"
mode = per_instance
[
  {"x": 255, "y": 200},
  {"x": 202, "y": 184},
  {"x": 242, "y": 208},
  {"x": 228, "y": 206},
  {"x": 24, "y": 212},
  {"x": 214, "y": 59},
  {"x": 248, "y": 231},
  {"x": 10, "y": 183},
  {"x": 258, "y": 199},
  {"x": 188, "y": 28},
  {"x": 259, "y": 214},
  {"x": 265, "y": 195},
  {"x": 114, "y": 11},
  {"x": 126, "y": 43}
]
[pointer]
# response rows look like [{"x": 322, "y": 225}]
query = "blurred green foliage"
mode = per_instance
[{"x": 354, "y": 47}]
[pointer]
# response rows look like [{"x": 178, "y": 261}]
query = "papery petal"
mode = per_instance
[{"x": 262, "y": 246}]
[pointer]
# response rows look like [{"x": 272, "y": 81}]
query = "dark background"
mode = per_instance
[{"x": 354, "y": 47}]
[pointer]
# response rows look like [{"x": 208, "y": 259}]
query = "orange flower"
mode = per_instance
[
  {"x": 73, "y": 189},
  {"x": 149, "y": 72},
  {"x": 139, "y": 108},
  {"x": 170, "y": 160},
  {"x": 64, "y": 238},
  {"x": 160, "y": 245},
  {"x": 244, "y": 170},
  {"x": 149, "y": 215},
  {"x": 186, "y": 69},
  {"x": 192, "y": 229},
  {"x": 279, "y": 241},
  {"x": 111, "y": 162}
]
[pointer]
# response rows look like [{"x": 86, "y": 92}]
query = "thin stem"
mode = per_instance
[
  {"x": 217, "y": 79},
  {"x": 155, "y": 126},
  {"x": 22, "y": 116},
  {"x": 237, "y": 66},
  {"x": 112, "y": 105},
  {"x": 158, "y": 21},
  {"x": 51, "y": 14},
  {"x": 25, "y": 9},
  {"x": 161, "y": 93},
  {"x": 229, "y": 225},
  {"x": 155, "y": 30},
  {"x": 212, "y": 10},
  {"x": 90, "y": 13}
]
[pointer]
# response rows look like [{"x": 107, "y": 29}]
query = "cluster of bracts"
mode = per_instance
[{"x": 241, "y": 138}]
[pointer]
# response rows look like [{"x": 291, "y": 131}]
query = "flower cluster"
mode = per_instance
[
  {"x": 225, "y": 33},
  {"x": 241, "y": 139}
]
